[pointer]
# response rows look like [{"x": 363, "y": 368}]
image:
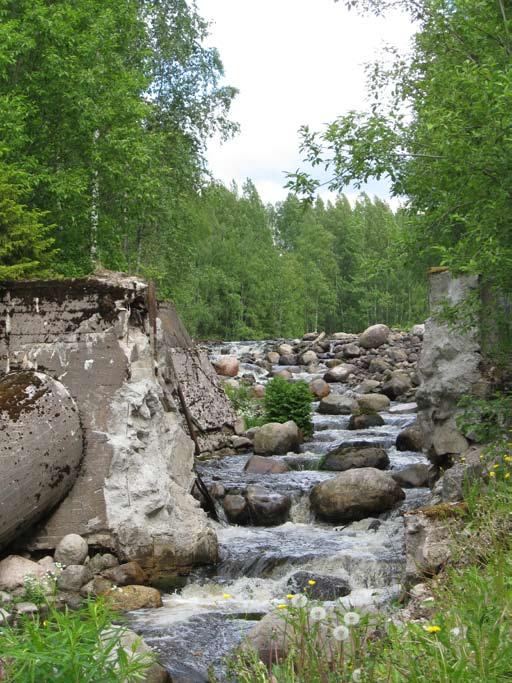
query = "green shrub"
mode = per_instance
[
  {"x": 246, "y": 405},
  {"x": 289, "y": 401},
  {"x": 79, "y": 646},
  {"x": 485, "y": 419}
]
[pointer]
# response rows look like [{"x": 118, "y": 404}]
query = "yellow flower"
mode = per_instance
[
  {"x": 45, "y": 623},
  {"x": 311, "y": 582},
  {"x": 290, "y": 596},
  {"x": 496, "y": 466},
  {"x": 492, "y": 474},
  {"x": 226, "y": 596},
  {"x": 432, "y": 629},
  {"x": 507, "y": 475},
  {"x": 282, "y": 606},
  {"x": 508, "y": 458}
]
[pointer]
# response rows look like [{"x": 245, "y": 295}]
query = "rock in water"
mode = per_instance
[
  {"x": 40, "y": 449},
  {"x": 335, "y": 404},
  {"x": 275, "y": 438},
  {"x": 354, "y": 495},
  {"x": 349, "y": 457}
]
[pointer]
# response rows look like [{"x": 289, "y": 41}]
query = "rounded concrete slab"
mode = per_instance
[{"x": 40, "y": 449}]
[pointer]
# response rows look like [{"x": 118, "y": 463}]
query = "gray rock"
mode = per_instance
[
  {"x": 372, "y": 403},
  {"x": 415, "y": 475},
  {"x": 273, "y": 357},
  {"x": 236, "y": 509},
  {"x": 374, "y": 336},
  {"x": 339, "y": 373},
  {"x": 14, "y": 569},
  {"x": 72, "y": 549},
  {"x": 378, "y": 366},
  {"x": 258, "y": 464},
  {"x": 428, "y": 543},
  {"x": 267, "y": 508},
  {"x": 368, "y": 386},
  {"x": 5, "y": 598},
  {"x": 324, "y": 588},
  {"x": 335, "y": 404},
  {"x": 99, "y": 562},
  {"x": 410, "y": 439},
  {"x": 397, "y": 355},
  {"x": 5, "y": 616},
  {"x": 457, "y": 479},
  {"x": 277, "y": 439},
  {"x": 354, "y": 495},
  {"x": 349, "y": 457},
  {"x": 285, "y": 350},
  {"x": 309, "y": 357},
  {"x": 351, "y": 351},
  {"x": 319, "y": 388},
  {"x": 289, "y": 359},
  {"x": 241, "y": 443},
  {"x": 39, "y": 462},
  {"x": 418, "y": 330},
  {"x": 97, "y": 586},
  {"x": 73, "y": 577},
  {"x": 404, "y": 408},
  {"x": 365, "y": 421},
  {"x": 127, "y": 574},
  {"x": 397, "y": 386},
  {"x": 26, "y": 608},
  {"x": 228, "y": 366}
]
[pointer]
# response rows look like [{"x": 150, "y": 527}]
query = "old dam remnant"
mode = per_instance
[{"x": 107, "y": 346}]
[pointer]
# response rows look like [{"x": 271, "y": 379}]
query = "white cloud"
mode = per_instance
[{"x": 295, "y": 62}]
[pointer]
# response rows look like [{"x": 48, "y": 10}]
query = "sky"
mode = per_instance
[{"x": 294, "y": 62}]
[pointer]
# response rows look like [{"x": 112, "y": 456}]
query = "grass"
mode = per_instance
[{"x": 467, "y": 637}]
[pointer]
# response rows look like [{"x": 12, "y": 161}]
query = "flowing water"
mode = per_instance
[{"x": 204, "y": 621}]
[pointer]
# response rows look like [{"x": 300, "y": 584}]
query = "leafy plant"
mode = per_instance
[
  {"x": 484, "y": 420},
  {"x": 245, "y": 404},
  {"x": 79, "y": 646},
  {"x": 289, "y": 401}
]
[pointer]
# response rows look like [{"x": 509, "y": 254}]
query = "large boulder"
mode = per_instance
[
  {"x": 372, "y": 403},
  {"x": 374, "y": 336},
  {"x": 365, "y": 421},
  {"x": 40, "y": 449},
  {"x": 285, "y": 349},
  {"x": 73, "y": 577},
  {"x": 129, "y": 598},
  {"x": 348, "y": 457},
  {"x": 339, "y": 373},
  {"x": 399, "y": 384},
  {"x": 227, "y": 366},
  {"x": 14, "y": 569},
  {"x": 129, "y": 573},
  {"x": 354, "y": 495},
  {"x": 336, "y": 404},
  {"x": 410, "y": 439},
  {"x": 258, "y": 464},
  {"x": 322, "y": 587},
  {"x": 275, "y": 438},
  {"x": 309, "y": 357},
  {"x": 267, "y": 508},
  {"x": 71, "y": 549}
]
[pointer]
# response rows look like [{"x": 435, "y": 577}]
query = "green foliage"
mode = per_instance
[
  {"x": 485, "y": 419},
  {"x": 289, "y": 401},
  {"x": 245, "y": 404},
  {"x": 79, "y": 646}
]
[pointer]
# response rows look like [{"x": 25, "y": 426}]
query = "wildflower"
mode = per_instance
[
  {"x": 432, "y": 629},
  {"x": 227, "y": 596},
  {"x": 299, "y": 601},
  {"x": 45, "y": 623},
  {"x": 357, "y": 675},
  {"x": 508, "y": 458},
  {"x": 290, "y": 596},
  {"x": 340, "y": 633},
  {"x": 317, "y": 613},
  {"x": 282, "y": 606},
  {"x": 311, "y": 582},
  {"x": 351, "y": 618},
  {"x": 496, "y": 465},
  {"x": 492, "y": 474},
  {"x": 507, "y": 475}
]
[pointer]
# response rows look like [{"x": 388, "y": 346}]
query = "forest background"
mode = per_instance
[{"x": 106, "y": 107}]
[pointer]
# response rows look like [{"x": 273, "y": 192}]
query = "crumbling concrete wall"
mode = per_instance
[
  {"x": 113, "y": 347},
  {"x": 450, "y": 366}
]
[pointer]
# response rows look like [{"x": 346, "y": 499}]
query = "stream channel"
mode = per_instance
[{"x": 198, "y": 625}]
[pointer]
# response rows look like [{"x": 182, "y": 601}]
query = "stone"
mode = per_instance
[
  {"x": 48, "y": 564},
  {"x": 351, "y": 351},
  {"x": 336, "y": 404},
  {"x": 285, "y": 374},
  {"x": 397, "y": 386},
  {"x": 428, "y": 542},
  {"x": 232, "y": 383},
  {"x": 404, "y": 408},
  {"x": 354, "y": 495},
  {"x": 129, "y": 573},
  {"x": 258, "y": 464},
  {"x": 339, "y": 373},
  {"x": 273, "y": 357},
  {"x": 130, "y": 598},
  {"x": 285, "y": 350},
  {"x": 319, "y": 388},
  {"x": 216, "y": 490},
  {"x": 372, "y": 403},
  {"x": 96, "y": 586},
  {"x": 290, "y": 359},
  {"x": 274, "y": 438},
  {"x": 412, "y": 476},
  {"x": 410, "y": 439},
  {"x": 40, "y": 449},
  {"x": 14, "y": 569},
  {"x": 72, "y": 549},
  {"x": 135, "y": 646},
  {"x": 5, "y": 617},
  {"x": 374, "y": 336},
  {"x": 309, "y": 357},
  {"x": 235, "y": 507},
  {"x": 240, "y": 426},
  {"x": 257, "y": 391},
  {"x": 227, "y": 366},
  {"x": 378, "y": 366},
  {"x": 397, "y": 355},
  {"x": 99, "y": 562},
  {"x": 269, "y": 638},
  {"x": 324, "y": 588},
  {"x": 344, "y": 337},
  {"x": 266, "y": 508},
  {"x": 365, "y": 421},
  {"x": 457, "y": 479},
  {"x": 28, "y": 609},
  {"x": 368, "y": 386},
  {"x": 418, "y": 330},
  {"x": 348, "y": 457},
  {"x": 446, "y": 440},
  {"x": 73, "y": 577},
  {"x": 5, "y": 598},
  {"x": 241, "y": 443}
]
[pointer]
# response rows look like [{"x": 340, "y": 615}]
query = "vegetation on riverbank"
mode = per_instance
[{"x": 463, "y": 634}]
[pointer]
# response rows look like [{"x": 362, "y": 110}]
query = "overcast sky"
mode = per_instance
[{"x": 294, "y": 62}]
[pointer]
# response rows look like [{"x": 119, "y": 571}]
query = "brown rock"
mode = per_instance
[
  {"x": 130, "y": 598},
  {"x": 265, "y": 465},
  {"x": 227, "y": 366},
  {"x": 126, "y": 574},
  {"x": 14, "y": 569},
  {"x": 319, "y": 388}
]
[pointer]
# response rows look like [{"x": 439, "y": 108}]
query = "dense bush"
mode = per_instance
[{"x": 289, "y": 401}]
